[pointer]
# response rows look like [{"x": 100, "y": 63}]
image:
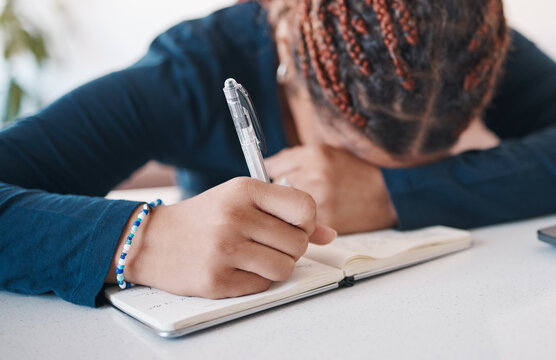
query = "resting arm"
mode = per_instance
[{"x": 513, "y": 181}]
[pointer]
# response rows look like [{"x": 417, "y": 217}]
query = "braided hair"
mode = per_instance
[{"x": 409, "y": 74}]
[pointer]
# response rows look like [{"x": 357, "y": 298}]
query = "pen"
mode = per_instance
[{"x": 248, "y": 128}]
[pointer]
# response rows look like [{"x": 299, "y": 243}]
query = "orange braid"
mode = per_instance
[
  {"x": 348, "y": 35},
  {"x": 391, "y": 41},
  {"x": 484, "y": 69},
  {"x": 360, "y": 59},
  {"x": 324, "y": 60},
  {"x": 316, "y": 47},
  {"x": 407, "y": 22}
]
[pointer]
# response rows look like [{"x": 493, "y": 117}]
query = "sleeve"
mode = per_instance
[
  {"x": 86, "y": 143},
  {"x": 513, "y": 181}
]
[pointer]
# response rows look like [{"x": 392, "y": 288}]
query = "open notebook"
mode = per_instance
[{"x": 321, "y": 269}]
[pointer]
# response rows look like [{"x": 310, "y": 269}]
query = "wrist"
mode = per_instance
[
  {"x": 110, "y": 276},
  {"x": 135, "y": 254}
]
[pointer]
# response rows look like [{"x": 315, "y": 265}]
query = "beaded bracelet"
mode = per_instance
[{"x": 121, "y": 264}]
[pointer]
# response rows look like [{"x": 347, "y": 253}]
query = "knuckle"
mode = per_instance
[
  {"x": 225, "y": 247},
  {"x": 232, "y": 214},
  {"x": 240, "y": 185}
]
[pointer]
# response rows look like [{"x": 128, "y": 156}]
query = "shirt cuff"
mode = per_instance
[{"x": 99, "y": 252}]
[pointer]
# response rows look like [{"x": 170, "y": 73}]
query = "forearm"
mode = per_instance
[
  {"x": 59, "y": 243},
  {"x": 513, "y": 181}
]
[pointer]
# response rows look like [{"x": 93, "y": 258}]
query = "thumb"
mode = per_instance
[{"x": 322, "y": 235}]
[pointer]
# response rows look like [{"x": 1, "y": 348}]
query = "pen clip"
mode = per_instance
[{"x": 246, "y": 102}]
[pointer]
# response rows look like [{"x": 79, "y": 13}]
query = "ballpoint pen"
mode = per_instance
[{"x": 248, "y": 128}]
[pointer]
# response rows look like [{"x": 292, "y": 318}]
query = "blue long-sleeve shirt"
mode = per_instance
[{"x": 169, "y": 106}]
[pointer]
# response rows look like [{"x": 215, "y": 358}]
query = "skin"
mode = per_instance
[
  {"x": 238, "y": 237},
  {"x": 232, "y": 240}
]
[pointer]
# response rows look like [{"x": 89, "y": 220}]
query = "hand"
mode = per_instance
[
  {"x": 350, "y": 193},
  {"x": 232, "y": 240}
]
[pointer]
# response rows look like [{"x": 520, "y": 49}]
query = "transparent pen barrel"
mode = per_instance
[{"x": 253, "y": 158}]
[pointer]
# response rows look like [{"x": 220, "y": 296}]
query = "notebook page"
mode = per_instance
[
  {"x": 165, "y": 311},
  {"x": 381, "y": 244}
]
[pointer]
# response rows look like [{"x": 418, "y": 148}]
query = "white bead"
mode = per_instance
[
  {"x": 122, "y": 286},
  {"x": 127, "y": 247},
  {"x": 145, "y": 207},
  {"x": 121, "y": 262},
  {"x": 141, "y": 216}
]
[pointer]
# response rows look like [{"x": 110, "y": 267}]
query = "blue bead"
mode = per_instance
[
  {"x": 128, "y": 242},
  {"x": 139, "y": 219},
  {"x": 136, "y": 223},
  {"x": 123, "y": 256},
  {"x": 146, "y": 212},
  {"x": 127, "y": 285},
  {"x": 158, "y": 202},
  {"x": 120, "y": 267},
  {"x": 151, "y": 204},
  {"x": 119, "y": 271},
  {"x": 131, "y": 236}
]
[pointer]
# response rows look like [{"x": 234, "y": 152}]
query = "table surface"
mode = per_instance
[{"x": 496, "y": 300}]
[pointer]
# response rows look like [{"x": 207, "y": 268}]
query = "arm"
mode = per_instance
[
  {"x": 513, "y": 181},
  {"x": 86, "y": 143},
  {"x": 252, "y": 232}
]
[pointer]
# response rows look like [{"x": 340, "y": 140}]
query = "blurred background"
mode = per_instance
[{"x": 51, "y": 46}]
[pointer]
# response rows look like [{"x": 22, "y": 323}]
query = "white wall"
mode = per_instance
[
  {"x": 105, "y": 35},
  {"x": 93, "y": 38}
]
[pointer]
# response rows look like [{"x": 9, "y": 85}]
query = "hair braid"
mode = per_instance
[
  {"x": 396, "y": 68},
  {"x": 407, "y": 22},
  {"x": 391, "y": 41},
  {"x": 485, "y": 66},
  {"x": 324, "y": 59},
  {"x": 348, "y": 35}
]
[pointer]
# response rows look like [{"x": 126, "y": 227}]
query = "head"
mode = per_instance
[{"x": 394, "y": 81}]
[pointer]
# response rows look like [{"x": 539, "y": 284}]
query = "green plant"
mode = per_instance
[{"x": 19, "y": 35}]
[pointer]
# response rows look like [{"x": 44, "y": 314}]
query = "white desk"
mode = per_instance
[{"x": 494, "y": 301}]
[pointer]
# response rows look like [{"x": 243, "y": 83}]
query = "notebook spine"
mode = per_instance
[{"x": 348, "y": 281}]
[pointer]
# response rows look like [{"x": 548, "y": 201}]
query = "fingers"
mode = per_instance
[
  {"x": 288, "y": 204},
  {"x": 245, "y": 283},
  {"x": 231, "y": 283},
  {"x": 268, "y": 230},
  {"x": 263, "y": 261},
  {"x": 323, "y": 234}
]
